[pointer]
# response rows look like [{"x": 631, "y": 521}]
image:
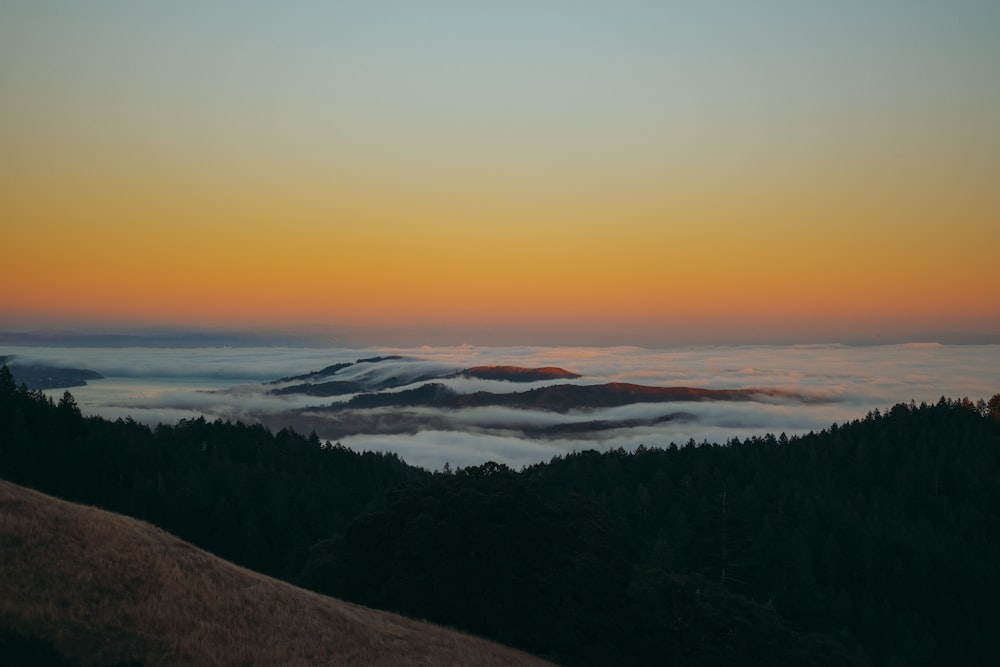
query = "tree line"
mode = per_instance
[
  {"x": 257, "y": 498},
  {"x": 872, "y": 542}
]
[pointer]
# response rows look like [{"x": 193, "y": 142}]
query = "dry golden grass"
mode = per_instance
[{"x": 106, "y": 588}]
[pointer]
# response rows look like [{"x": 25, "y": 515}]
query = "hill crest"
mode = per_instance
[{"x": 106, "y": 588}]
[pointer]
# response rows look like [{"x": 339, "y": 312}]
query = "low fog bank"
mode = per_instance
[
  {"x": 840, "y": 382},
  {"x": 228, "y": 364}
]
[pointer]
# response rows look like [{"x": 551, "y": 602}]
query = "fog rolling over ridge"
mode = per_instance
[{"x": 434, "y": 405}]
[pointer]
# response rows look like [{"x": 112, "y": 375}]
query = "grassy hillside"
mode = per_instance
[{"x": 104, "y": 588}]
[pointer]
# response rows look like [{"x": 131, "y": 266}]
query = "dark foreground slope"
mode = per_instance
[
  {"x": 872, "y": 542},
  {"x": 876, "y": 542},
  {"x": 886, "y": 528},
  {"x": 485, "y": 550},
  {"x": 100, "y": 587}
]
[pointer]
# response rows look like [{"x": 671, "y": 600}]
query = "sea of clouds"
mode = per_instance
[{"x": 817, "y": 385}]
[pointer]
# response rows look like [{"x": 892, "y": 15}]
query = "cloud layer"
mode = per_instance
[{"x": 843, "y": 382}]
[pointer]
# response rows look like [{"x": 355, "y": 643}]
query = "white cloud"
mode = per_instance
[{"x": 154, "y": 385}]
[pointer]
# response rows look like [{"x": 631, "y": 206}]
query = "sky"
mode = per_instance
[{"x": 641, "y": 172}]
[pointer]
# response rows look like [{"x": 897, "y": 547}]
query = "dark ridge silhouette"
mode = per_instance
[
  {"x": 597, "y": 426},
  {"x": 375, "y": 360},
  {"x": 331, "y": 388},
  {"x": 403, "y": 420},
  {"x": 333, "y": 369},
  {"x": 518, "y": 373},
  {"x": 329, "y": 370},
  {"x": 319, "y": 383},
  {"x": 45, "y": 376},
  {"x": 557, "y": 398}
]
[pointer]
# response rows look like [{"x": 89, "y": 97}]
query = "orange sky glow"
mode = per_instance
[{"x": 523, "y": 168}]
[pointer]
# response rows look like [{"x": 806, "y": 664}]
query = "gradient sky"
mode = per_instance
[{"x": 642, "y": 170}]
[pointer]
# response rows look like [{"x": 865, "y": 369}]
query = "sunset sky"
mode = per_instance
[{"x": 646, "y": 171}]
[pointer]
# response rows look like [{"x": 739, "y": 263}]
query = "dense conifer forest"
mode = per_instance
[{"x": 870, "y": 543}]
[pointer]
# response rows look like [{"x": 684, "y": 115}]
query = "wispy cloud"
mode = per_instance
[{"x": 163, "y": 385}]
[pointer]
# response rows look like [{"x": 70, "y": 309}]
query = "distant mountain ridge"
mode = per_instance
[
  {"x": 45, "y": 376},
  {"x": 397, "y": 395},
  {"x": 518, "y": 373},
  {"x": 558, "y": 397},
  {"x": 328, "y": 382}
]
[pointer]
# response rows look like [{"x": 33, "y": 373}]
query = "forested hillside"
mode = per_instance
[
  {"x": 886, "y": 527},
  {"x": 256, "y": 498},
  {"x": 873, "y": 542}
]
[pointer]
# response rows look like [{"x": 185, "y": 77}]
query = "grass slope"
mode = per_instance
[{"x": 104, "y": 588}]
